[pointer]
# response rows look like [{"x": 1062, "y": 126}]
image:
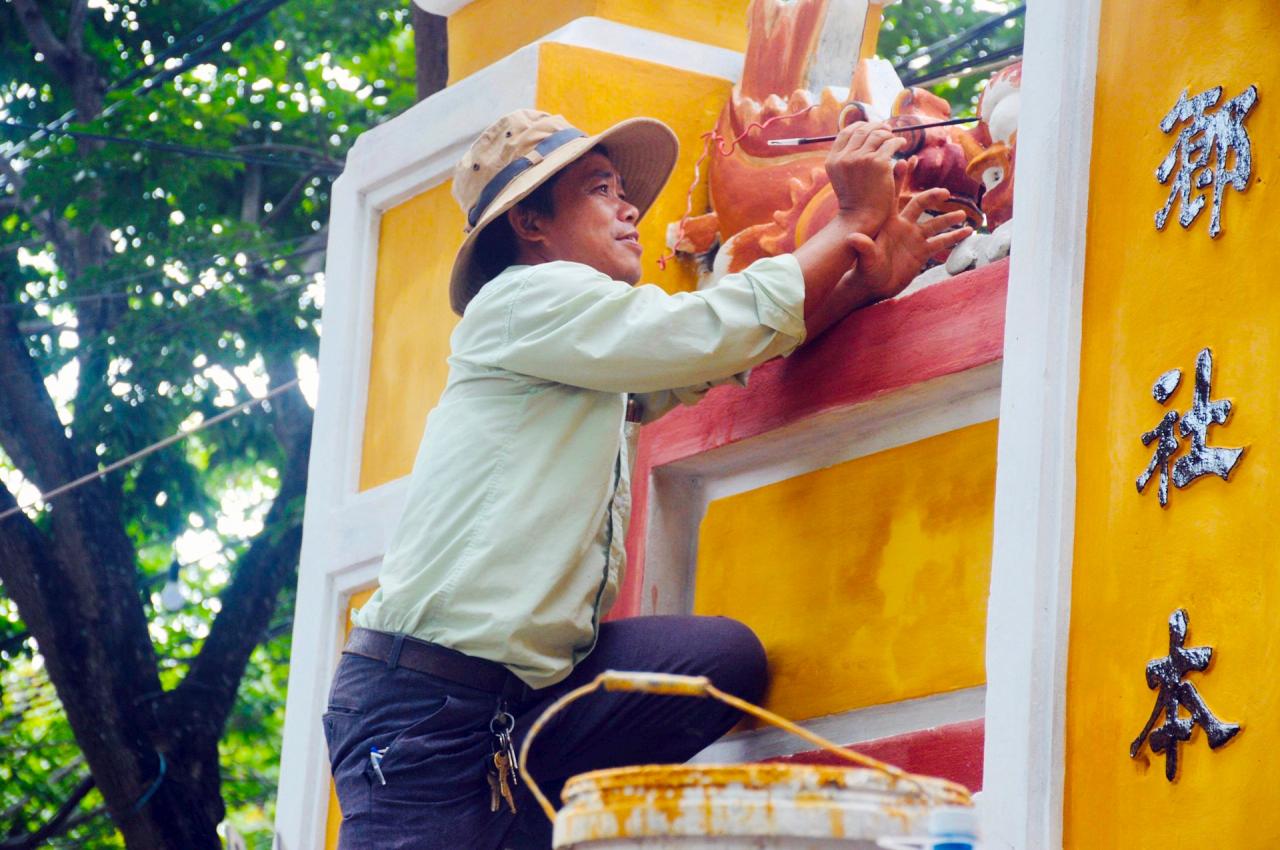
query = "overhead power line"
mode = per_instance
[
  {"x": 198, "y": 36},
  {"x": 201, "y": 311},
  {"x": 101, "y": 295},
  {"x": 250, "y": 12},
  {"x": 321, "y": 166},
  {"x": 238, "y": 19},
  {"x": 969, "y": 67},
  {"x": 940, "y": 50},
  {"x": 151, "y": 449}
]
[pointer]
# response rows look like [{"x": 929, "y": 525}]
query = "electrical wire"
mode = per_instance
[
  {"x": 233, "y": 31},
  {"x": 326, "y": 167},
  {"x": 969, "y": 67},
  {"x": 104, "y": 294},
  {"x": 151, "y": 449},
  {"x": 952, "y": 43},
  {"x": 205, "y": 260},
  {"x": 239, "y": 24},
  {"x": 196, "y": 35},
  {"x": 165, "y": 329}
]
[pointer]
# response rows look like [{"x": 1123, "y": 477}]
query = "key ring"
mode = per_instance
[{"x": 507, "y": 725}]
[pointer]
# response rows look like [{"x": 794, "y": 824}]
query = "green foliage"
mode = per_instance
[
  {"x": 205, "y": 281},
  {"x": 913, "y": 24}
]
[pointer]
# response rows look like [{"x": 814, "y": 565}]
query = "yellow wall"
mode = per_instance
[
  {"x": 1152, "y": 301},
  {"x": 595, "y": 90},
  {"x": 485, "y": 31},
  {"x": 333, "y": 817},
  {"x": 867, "y": 581},
  {"x": 411, "y": 326}
]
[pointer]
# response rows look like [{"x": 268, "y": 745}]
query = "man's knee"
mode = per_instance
[{"x": 740, "y": 665}]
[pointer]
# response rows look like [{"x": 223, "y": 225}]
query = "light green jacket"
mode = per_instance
[{"x": 510, "y": 547}]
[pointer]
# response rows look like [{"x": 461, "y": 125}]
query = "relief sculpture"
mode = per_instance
[{"x": 767, "y": 200}]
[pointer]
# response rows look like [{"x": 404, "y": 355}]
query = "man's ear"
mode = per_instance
[{"x": 526, "y": 224}]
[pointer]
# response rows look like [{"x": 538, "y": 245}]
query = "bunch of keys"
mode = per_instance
[{"x": 503, "y": 770}]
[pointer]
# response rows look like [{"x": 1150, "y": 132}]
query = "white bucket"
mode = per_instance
[
  {"x": 736, "y": 807},
  {"x": 739, "y": 807}
]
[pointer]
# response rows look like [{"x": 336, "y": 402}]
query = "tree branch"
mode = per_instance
[
  {"x": 68, "y": 59},
  {"x": 56, "y": 824},
  {"x": 44, "y": 221},
  {"x": 24, "y": 552},
  {"x": 250, "y": 597},
  {"x": 30, "y": 431},
  {"x": 41, "y": 35},
  {"x": 282, "y": 206},
  {"x": 75, "y": 25}
]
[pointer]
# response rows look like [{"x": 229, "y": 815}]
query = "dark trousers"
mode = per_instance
[{"x": 439, "y": 744}]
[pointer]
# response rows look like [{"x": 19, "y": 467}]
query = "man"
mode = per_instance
[{"x": 510, "y": 549}]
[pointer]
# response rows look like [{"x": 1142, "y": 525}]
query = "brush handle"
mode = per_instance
[{"x": 804, "y": 140}]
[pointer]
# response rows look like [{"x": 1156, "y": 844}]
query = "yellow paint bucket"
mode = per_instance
[{"x": 737, "y": 807}]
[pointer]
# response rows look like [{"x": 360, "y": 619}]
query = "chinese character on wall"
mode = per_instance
[
  {"x": 1212, "y": 150},
  {"x": 1164, "y": 675},
  {"x": 1200, "y": 459}
]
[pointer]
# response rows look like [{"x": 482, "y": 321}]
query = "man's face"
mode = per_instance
[{"x": 592, "y": 222}]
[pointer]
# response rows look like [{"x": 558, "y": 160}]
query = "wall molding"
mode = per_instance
[{"x": 1029, "y": 608}]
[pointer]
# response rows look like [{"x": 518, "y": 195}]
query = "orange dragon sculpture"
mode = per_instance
[{"x": 769, "y": 200}]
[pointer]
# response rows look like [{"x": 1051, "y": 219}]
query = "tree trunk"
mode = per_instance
[{"x": 431, "y": 47}]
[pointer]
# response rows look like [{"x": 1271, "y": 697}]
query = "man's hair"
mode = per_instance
[{"x": 496, "y": 245}]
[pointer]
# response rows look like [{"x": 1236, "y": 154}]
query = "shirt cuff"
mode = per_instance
[{"x": 779, "y": 287}]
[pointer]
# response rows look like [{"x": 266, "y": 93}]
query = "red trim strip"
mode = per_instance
[{"x": 951, "y": 752}]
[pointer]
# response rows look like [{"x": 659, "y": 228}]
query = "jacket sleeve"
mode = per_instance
[{"x": 567, "y": 323}]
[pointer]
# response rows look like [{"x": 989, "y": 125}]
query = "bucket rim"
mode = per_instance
[{"x": 754, "y": 776}]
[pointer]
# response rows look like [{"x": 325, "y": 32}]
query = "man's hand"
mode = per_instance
[
  {"x": 889, "y": 262},
  {"x": 905, "y": 243},
  {"x": 861, "y": 168}
]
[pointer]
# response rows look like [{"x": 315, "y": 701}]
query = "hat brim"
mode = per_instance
[{"x": 643, "y": 150}]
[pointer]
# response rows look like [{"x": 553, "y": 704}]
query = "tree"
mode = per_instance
[{"x": 140, "y": 290}]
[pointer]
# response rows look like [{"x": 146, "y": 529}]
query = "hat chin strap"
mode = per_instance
[{"x": 516, "y": 167}]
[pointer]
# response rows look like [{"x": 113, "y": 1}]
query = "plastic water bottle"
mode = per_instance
[{"x": 953, "y": 828}]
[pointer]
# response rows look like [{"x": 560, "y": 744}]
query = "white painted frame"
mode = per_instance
[
  {"x": 346, "y": 531},
  {"x": 1029, "y": 609}
]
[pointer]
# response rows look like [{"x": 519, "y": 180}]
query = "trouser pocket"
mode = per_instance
[
  {"x": 352, "y": 770},
  {"x": 438, "y": 758}
]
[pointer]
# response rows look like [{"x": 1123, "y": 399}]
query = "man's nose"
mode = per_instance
[{"x": 628, "y": 212}]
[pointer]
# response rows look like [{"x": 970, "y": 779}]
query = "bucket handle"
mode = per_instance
[{"x": 700, "y": 686}]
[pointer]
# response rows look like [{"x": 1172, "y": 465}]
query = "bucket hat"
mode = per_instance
[{"x": 522, "y": 150}]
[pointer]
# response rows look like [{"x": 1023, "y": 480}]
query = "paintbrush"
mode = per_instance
[{"x": 808, "y": 139}]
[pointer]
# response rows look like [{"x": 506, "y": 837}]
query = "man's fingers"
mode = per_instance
[
  {"x": 864, "y": 246},
  {"x": 890, "y": 146},
  {"x": 948, "y": 240},
  {"x": 902, "y": 170},
  {"x": 942, "y": 223},
  {"x": 878, "y": 135},
  {"x": 852, "y": 137},
  {"x": 929, "y": 199}
]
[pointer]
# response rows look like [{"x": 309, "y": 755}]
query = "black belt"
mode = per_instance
[{"x": 440, "y": 661}]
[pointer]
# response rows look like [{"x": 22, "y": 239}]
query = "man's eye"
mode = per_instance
[{"x": 603, "y": 187}]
